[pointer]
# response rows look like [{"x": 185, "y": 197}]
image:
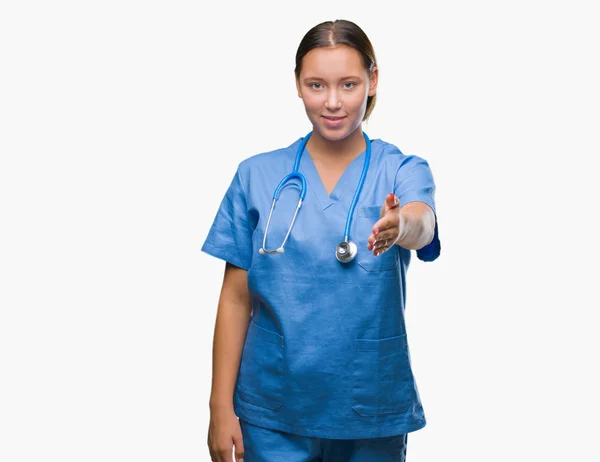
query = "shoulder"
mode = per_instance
[
  {"x": 392, "y": 157},
  {"x": 268, "y": 160}
]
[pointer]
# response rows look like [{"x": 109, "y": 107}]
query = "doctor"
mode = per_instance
[{"x": 311, "y": 359}]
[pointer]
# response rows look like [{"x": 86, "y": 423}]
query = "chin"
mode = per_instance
[{"x": 332, "y": 134}]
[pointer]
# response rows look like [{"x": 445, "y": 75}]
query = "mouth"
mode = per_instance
[{"x": 333, "y": 122}]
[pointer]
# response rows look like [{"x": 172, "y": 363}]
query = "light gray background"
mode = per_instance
[{"x": 121, "y": 124}]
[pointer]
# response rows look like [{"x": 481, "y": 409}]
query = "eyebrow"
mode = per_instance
[{"x": 323, "y": 80}]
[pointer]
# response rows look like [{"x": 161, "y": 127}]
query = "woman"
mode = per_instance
[{"x": 310, "y": 347}]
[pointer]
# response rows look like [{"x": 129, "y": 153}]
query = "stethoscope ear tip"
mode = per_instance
[
  {"x": 280, "y": 250},
  {"x": 261, "y": 251}
]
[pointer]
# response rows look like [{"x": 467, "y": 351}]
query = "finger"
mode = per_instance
[
  {"x": 373, "y": 236},
  {"x": 384, "y": 224},
  {"x": 374, "y": 241},
  {"x": 370, "y": 242},
  {"x": 381, "y": 249},
  {"x": 380, "y": 246},
  {"x": 238, "y": 441},
  {"x": 226, "y": 455},
  {"x": 386, "y": 239},
  {"x": 371, "y": 239}
]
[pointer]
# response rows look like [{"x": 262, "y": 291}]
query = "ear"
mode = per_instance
[{"x": 373, "y": 81}]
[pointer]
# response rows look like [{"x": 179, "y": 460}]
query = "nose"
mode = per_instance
[{"x": 333, "y": 101}]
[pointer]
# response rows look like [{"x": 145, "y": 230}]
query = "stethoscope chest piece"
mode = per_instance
[{"x": 346, "y": 251}]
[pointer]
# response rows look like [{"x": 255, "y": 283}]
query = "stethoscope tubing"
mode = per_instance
[{"x": 296, "y": 174}]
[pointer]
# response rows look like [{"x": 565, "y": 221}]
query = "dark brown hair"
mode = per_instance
[{"x": 332, "y": 33}]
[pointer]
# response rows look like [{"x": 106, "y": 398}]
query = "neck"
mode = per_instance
[{"x": 351, "y": 146}]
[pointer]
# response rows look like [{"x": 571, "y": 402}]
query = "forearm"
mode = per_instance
[
  {"x": 231, "y": 327},
  {"x": 417, "y": 226}
]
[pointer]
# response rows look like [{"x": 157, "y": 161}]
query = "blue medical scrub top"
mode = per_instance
[{"x": 326, "y": 354}]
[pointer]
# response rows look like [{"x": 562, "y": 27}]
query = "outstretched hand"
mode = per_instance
[{"x": 388, "y": 230}]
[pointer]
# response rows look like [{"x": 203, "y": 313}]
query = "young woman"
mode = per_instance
[{"x": 311, "y": 359}]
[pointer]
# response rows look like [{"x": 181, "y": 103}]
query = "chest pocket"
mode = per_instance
[{"x": 365, "y": 219}]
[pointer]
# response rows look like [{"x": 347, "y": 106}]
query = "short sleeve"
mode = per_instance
[
  {"x": 230, "y": 236},
  {"x": 414, "y": 182}
]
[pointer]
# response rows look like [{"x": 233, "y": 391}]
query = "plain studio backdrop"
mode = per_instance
[{"x": 122, "y": 123}]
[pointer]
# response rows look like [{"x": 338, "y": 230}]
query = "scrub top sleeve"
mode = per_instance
[
  {"x": 230, "y": 236},
  {"x": 414, "y": 182}
]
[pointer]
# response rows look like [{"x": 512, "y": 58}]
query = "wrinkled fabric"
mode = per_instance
[
  {"x": 262, "y": 444},
  {"x": 326, "y": 354}
]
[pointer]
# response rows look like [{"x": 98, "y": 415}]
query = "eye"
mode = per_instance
[
  {"x": 350, "y": 83},
  {"x": 314, "y": 83}
]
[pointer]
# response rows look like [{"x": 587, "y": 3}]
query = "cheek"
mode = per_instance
[
  {"x": 359, "y": 101},
  {"x": 312, "y": 102},
  {"x": 356, "y": 107}
]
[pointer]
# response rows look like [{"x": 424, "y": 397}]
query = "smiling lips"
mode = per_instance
[{"x": 333, "y": 121}]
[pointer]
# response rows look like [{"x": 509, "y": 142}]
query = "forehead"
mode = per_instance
[{"x": 330, "y": 61}]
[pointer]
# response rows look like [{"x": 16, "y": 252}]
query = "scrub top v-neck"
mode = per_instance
[
  {"x": 315, "y": 183},
  {"x": 326, "y": 353}
]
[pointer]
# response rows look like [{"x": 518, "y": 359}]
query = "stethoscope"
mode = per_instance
[{"x": 345, "y": 250}]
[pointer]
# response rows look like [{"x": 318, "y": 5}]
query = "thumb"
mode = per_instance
[{"x": 391, "y": 201}]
